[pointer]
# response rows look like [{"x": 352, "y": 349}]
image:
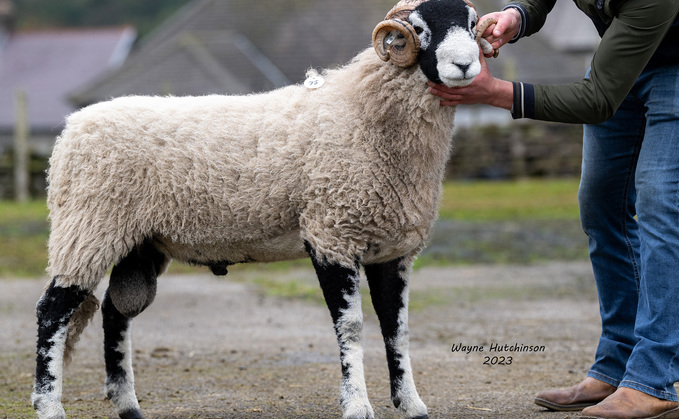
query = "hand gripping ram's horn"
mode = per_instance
[
  {"x": 480, "y": 29},
  {"x": 404, "y": 51},
  {"x": 485, "y": 45}
]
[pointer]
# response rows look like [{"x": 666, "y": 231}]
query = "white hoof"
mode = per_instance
[
  {"x": 48, "y": 409},
  {"x": 414, "y": 408},
  {"x": 417, "y": 409},
  {"x": 358, "y": 410}
]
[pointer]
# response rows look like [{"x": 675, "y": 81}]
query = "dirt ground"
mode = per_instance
[{"x": 227, "y": 348}]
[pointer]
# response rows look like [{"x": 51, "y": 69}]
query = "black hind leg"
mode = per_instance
[
  {"x": 54, "y": 311},
  {"x": 132, "y": 288},
  {"x": 118, "y": 356}
]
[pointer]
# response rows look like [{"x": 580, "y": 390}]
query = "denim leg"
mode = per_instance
[
  {"x": 652, "y": 367},
  {"x": 607, "y": 209}
]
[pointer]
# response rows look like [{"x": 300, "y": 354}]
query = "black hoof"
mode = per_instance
[{"x": 132, "y": 414}]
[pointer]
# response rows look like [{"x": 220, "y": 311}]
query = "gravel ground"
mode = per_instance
[{"x": 228, "y": 348}]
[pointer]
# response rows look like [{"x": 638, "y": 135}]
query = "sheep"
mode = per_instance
[{"x": 345, "y": 169}]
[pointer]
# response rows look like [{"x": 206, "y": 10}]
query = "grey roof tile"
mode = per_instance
[{"x": 47, "y": 64}]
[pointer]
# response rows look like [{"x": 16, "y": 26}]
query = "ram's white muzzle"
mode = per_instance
[{"x": 458, "y": 58}]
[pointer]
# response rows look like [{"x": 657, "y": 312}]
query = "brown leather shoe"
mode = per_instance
[
  {"x": 627, "y": 403},
  {"x": 587, "y": 393}
]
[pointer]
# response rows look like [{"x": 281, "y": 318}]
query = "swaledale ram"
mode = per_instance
[{"x": 345, "y": 169}]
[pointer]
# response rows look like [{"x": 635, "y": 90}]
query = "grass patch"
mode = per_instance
[
  {"x": 291, "y": 289},
  {"x": 504, "y": 242},
  {"x": 17, "y": 407},
  {"x": 16, "y": 384},
  {"x": 489, "y": 207},
  {"x": 23, "y": 239},
  {"x": 271, "y": 267},
  {"x": 503, "y": 201},
  {"x": 469, "y": 296}
]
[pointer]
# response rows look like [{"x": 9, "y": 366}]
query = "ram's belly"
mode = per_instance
[
  {"x": 273, "y": 249},
  {"x": 287, "y": 246}
]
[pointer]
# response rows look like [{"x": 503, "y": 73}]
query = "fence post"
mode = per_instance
[{"x": 21, "y": 154}]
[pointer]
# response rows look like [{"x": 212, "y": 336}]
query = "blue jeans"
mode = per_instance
[{"x": 631, "y": 168}]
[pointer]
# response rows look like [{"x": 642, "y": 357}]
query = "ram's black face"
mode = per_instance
[{"x": 449, "y": 54}]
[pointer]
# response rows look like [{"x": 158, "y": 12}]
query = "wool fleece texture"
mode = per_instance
[{"x": 354, "y": 168}]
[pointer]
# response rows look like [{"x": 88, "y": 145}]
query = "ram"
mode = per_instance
[{"x": 345, "y": 169}]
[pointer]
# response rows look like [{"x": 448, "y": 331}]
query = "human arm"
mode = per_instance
[
  {"x": 512, "y": 23},
  {"x": 485, "y": 89},
  {"x": 635, "y": 31},
  {"x": 632, "y": 38}
]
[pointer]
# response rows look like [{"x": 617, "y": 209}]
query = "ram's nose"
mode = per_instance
[{"x": 464, "y": 68}]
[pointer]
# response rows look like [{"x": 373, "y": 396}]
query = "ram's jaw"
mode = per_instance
[
  {"x": 456, "y": 82},
  {"x": 452, "y": 76}
]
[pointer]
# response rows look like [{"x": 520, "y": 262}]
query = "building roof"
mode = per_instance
[
  {"x": 240, "y": 46},
  {"x": 47, "y": 64}
]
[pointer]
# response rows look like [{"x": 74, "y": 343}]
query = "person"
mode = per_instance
[{"x": 628, "y": 196}]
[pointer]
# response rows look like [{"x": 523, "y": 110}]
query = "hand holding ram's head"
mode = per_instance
[{"x": 442, "y": 36}]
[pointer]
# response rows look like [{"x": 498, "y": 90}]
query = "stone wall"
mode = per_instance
[{"x": 518, "y": 150}]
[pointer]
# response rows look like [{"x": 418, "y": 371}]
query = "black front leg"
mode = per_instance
[
  {"x": 389, "y": 292},
  {"x": 340, "y": 287}
]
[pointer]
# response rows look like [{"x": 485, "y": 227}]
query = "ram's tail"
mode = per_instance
[{"x": 79, "y": 321}]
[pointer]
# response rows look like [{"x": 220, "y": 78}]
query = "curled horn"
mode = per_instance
[
  {"x": 480, "y": 29},
  {"x": 403, "y": 55},
  {"x": 403, "y": 9}
]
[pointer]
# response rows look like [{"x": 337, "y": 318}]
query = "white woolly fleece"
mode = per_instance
[{"x": 353, "y": 167}]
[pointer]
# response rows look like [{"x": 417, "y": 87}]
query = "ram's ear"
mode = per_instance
[
  {"x": 485, "y": 45},
  {"x": 396, "y": 40}
]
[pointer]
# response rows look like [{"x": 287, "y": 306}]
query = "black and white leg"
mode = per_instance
[
  {"x": 340, "y": 287},
  {"x": 54, "y": 310},
  {"x": 388, "y": 284},
  {"x": 118, "y": 356},
  {"x": 131, "y": 290}
]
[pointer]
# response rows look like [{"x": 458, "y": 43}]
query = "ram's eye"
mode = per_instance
[{"x": 418, "y": 29}]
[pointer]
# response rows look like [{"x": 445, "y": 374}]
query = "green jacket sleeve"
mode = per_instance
[
  {"x": 635, "y": 31},
  {"x": 536, "y": 12}
]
